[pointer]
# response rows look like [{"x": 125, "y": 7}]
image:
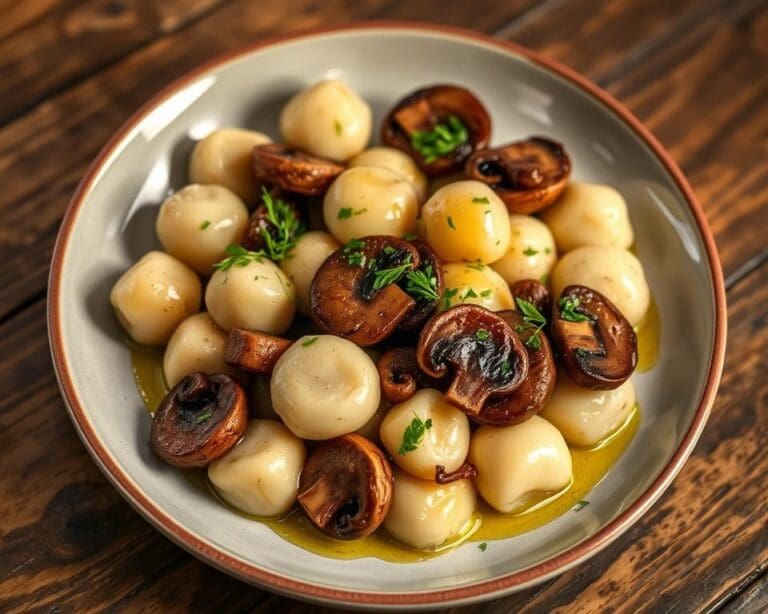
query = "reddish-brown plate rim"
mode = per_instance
[{"x": 254, "y": 574}]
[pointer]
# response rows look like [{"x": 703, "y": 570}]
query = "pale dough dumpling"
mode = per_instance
[
  {"x": 589, "y": 214},
  {"x": 224, "y": 158},
  {"x": 197, "y": 344},
  {"x": 516, "y": 463},
  {"x": 466, "y": 221},
  {"x": 476, "y": 284},
  {"x": 615, "y": 273},
  {"x": 260, "y": 475},
  {"x": 427, "y": 515},
  {"x": 303, "y": 261},
  {"x": 397, "y": 161},
  {"x": 370, "y": 430},
  {"x": 198, "y": 222},
  {"x": 585, "y": 417},
  {"x": 257, "y": 296},
  {"x": 531, "y": 253},
  {"x": 446, "y": 443},
  {"x": 370, "y": 200},
  {"x": 328, "y": 120},
  {"x": 324, "y": 386},
  {"x": 153, "y": 297}
]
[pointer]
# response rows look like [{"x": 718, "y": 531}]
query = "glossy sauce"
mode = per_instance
[{"x": 648, "y": 338}]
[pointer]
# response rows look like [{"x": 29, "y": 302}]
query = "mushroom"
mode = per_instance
[
  {"x": 438, "y": 126},
  {"x": 426, "y": 305},
  {"x": 527, "y": 175},
  {"x": 466, "y": 471},
  {"x": 400, "y": 375},
  {"x": 534, "y": 292},
  {"x": 346, "y": 487},
  {"x": 259, "y": 222},
  {"x": 484, "y": 351},
  {"x": 355, "y": 292},
  {"x": 199, "y": 420},
  {"x": 596, "y": 344},
  {"x": 294, "y": 170},
  {"x": 533, "y": 393},
  {"x": 254, "y": 351}
]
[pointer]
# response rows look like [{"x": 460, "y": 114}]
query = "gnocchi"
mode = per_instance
[
  {"x": 475, "y": 284},
  {"x": 396, "y": 161},
  {"x": 197, "y": 344},
  {"x": 531, "y": 253},
  {"x": 304, "y": 259}
]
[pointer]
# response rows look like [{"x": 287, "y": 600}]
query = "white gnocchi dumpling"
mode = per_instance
[
  {"x": 531, "y": 253},
  {"x": 260, "y": 475},
  {"x": 257, "y": 296},
  {"x": 397, "y": 161},
  {"x": 153, "y": 297},
  {"x": 197, "y": 344},
  {"x": 197, "y": 223},
  {"x": 586, "y": 417},
  {"x": 304, "y": 259},
  {"x": 466, "y": 220},
  {"x": 324, "y": 386},
  {"x": 445, "y": 443},
  {"x": 613, "y": 272},
  {"x": 475, "y": 283},
  {"x": 517, "y": 463},
  {"x": 427, "y": 515},
  {"x": 589, "y": 214},
  {"x": 370, "y": 200},
  {"x": 328, "y": 120}
]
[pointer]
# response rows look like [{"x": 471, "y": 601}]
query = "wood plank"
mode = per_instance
[{"x": 754, "y": 598}]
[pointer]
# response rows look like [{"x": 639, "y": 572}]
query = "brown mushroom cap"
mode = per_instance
[
  {"x": 346, "y": 487},
  {"x": 344, "y": 298},
  {"x": 199, "y": 420},
  {"x": 423, "y": 109},
  {"x": 527, "y": 175},
  {"x": 600, "y": 350},
  {"x": 534, "y": 292},
  {"x": 484, "y": 351},
  {"x": 294, "y": 170},
  {"x": 254, "y": 351},
  {"x": 429, "y": 264},
  {"x": 259, "y": 223},
  {"x": 400, "y": 375},
  {"x": 532, "y": 395}
]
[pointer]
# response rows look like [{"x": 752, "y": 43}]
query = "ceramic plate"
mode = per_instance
[{"x": 110, "y": 224}]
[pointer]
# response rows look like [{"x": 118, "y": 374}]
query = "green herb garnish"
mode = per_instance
[
  {"x": 409, "y": 236},
  {"x": 477, "y": 265},
  {"x": 529, "y": 251},
  {"x": 533, "y": 320},
  {"x": 308, "y": 341},
  {"x": 482, "y": 546},
  {"x": 285, "y": 228},
  {"x": 205, "y": 224},
  {"x": 203, "y": 417},
  {"x": 337, "y": 127},
  {"x": 482, "y": 335},
  {"x": 470, "y": 293},
  {"x": 385, "y": 277},
  {"x": 422, "y": 284},
  {"x": 354, "y": 254},
  {"x": 413, "y": 434},
  {"x": 237, "y": 255},
  {"x": 580, "y": 505},
  {"x": 480, "y": 199},
  {"x": 448, "y": 294},
  {"x": 441, "y": 140},
  {"x": 450, "y": 223},
  {"x": 347, "y": 212},
  {"x": 486, "y": 293},
  {"x": 568, "y": 311},
  {"x": 505, "y": 368}
]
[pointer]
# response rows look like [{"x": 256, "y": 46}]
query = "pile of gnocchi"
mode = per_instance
[{"x": 384, "y": 336}]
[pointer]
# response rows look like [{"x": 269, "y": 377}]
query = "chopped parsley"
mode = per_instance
[
  {"x": 203, "y": 417},
  {"x": 413, "y": 434},
  {"x": 347, "y": 212},
  {"x": 285, "y": 228},
  {"x": 482, "y": 546},
  {"x": 486, "y": 293},
  {"x": 533, "y": 321},
  {"x": 205, "y": 224},
  {"x": 450, "y": 223},
  {"x": 580, "y": 505},
  {"x": 529, "y": 251},
  {"x": 442, "y": 140},
  {"x": 477, "y": 265},
  {"x": 480, "y": 199},
  {"x": 568, "y": 311},
  {"x": 409, "y": 236},
  {"x": 353, "y": 252},
  {"x": 385, "y": 277},
  {"x": 237, "y": 255},
  {"x": 505, "y": 368},
  {"x": 422, "y": 284},
  {"x": 482, "y": 335},
  {"x": 337, "y": 127},
  {"x": 447, "y": 296},
  {"x": 308, "y": 341},
  {"x": 470, "y": 293}
]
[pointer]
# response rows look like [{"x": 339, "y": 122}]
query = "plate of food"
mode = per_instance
[{"x": 387, "y": 315}]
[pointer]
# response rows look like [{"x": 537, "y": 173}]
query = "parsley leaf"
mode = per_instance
[
  {"x": 237, "y": 255},
  {"x": 441, "y": 140},
  {"x": 580, "y": 505},
  {"x": 422, "y": 284},
  {"x": 203, "y": 417},
  {"x": 285, "y": 228},
  {"x": 347, "y": 212},
  {"x": 529, "y": 251},
  {"x": 337, "y": 127},
  {"x": 568, "y": 311},
  {"x": 450, "y": 223},
  {"x": 481, "y": 199},
  {"x": 470, "y": 293},
  {"x": 308, "y": 341},
  {"x": 533, "y": 320},
  {"x": 354, "y": 254},
  {"x": 482, "y": 335},
  {"x": 448, "y": 294},
  {"x": 486, "y": 293},
  {"x": 413, "y": 434},
  {"x": 385, "y": 277},
  {"x": 482, "y": 546},
  {"x": 477, "y": 265},
  {"x": 205, "y": 224}
]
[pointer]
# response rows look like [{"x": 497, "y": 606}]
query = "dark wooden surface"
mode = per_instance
[{"x": 696, "y": 71}]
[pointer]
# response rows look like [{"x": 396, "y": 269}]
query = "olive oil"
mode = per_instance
[
  {"x": 648, "y": 338},
  {"x": 590, "y": 465}
]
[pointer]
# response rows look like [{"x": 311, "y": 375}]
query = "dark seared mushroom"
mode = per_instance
[
  {"x": 254, "y": 351},
  {"x": 294, "y": 170},
  {"x": 438, "y": 126},
  {"x": 199, "y": 420},
  {"x": 260, "y": 223},
  {"x": 529, "y": 398},
  {"x": 527, "y": 175},
  {"x": 534, "y": 292},
  {"x": 467, "y": 470},
  {"x": 346, "y": 487},
  {"x": 484, "y": 351},
  {"x": 400, "y": 375},
  {"x": 355, "y": 292},
  {"x": 594, "y": 341},
  {"x": 426, "y": 289}
]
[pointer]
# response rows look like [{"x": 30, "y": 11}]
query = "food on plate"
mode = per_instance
[
  {"x": 303, "y": 260},
  {"x": 396, "y": 161},
  {"x": 474, "y": 283},
  {"x": 197, "y": 344},
  {"x": 531, "y": 253}
]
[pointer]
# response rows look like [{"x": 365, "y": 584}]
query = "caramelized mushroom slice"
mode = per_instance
[
  {"x": 527, "y": 175},
  {"x": 346, "y": 487},
  {"x": 355, "y": 292},
  {"x": 529, "y": 398},
  {"x": 400, "y": 375},
  {"x": 534, "y": 292},
  {"x": 594, "y": 341},
  {"x": 484, "y": 351},
  {"x": 199, "y": 420},
  {"x": 259, "y": 223},
  {"x": 467, "y": 470},
  {"x": 438, "y": 126},
  {"x": 294, "y": 170},
  {"x": 254, "y": 351},
  {"x": 426, "y": 288}
]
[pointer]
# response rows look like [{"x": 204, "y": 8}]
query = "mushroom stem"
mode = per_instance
[
  {"x": 254, "y": 351},
  {"x": 468, "y": 392},
  {"x": 467, "y": 470},
  {"x": 321, "y": 501}
]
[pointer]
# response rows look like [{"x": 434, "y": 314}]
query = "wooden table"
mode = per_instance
[{"x": 71, "y": 71}]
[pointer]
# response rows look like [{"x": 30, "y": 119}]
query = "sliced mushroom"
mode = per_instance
[
  {"x": 347, "y": 296},
  {"x": 400, "y": 375},
  {"x": 432, "y": 269},
  {"x": 527, "y": 175},
  {"x": 534, "y": 292},
  {"x": 532, "y": 395},
  {"x": 199, "y": 420},
  {"x": 294, "y": 170},
  {"x": 259, "y": 222},
  {"x": 467, "y": 470},
  {"x": 483, "y": 350},
  {"x": 346, "y": 487},
  {"x": 430, "y": 109},
  {"x": 254, "y": 351},
  {"x": 594, "y": 341}
]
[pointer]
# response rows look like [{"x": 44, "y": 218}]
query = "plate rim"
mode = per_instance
[{"x": 487, "y": 589}]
